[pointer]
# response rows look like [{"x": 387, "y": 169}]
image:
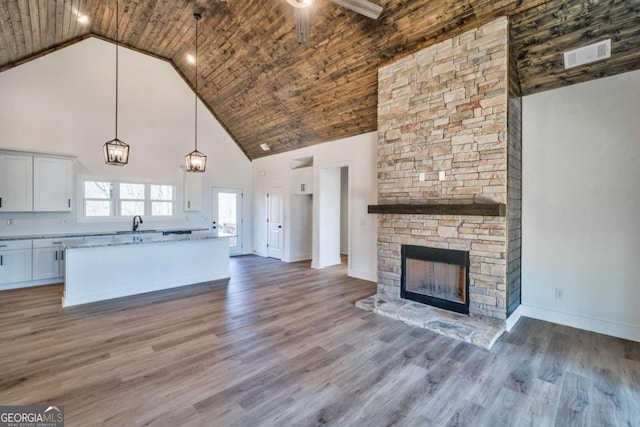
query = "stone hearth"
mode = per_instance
[
  {"x": 452, "y": 108},
  {"x": 481, "y": 331}
]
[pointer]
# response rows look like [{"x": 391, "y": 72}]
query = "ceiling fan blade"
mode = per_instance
[
  {"x": 363, "y": 7},
  {"x": 302, "y": 24}
]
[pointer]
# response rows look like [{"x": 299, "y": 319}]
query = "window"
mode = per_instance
[
  {"x": 126, "y": 199},
  {"x": 131, "y": 199},
  {"x": 161, "y": 200},
  {"x": 97, "y": 198}
]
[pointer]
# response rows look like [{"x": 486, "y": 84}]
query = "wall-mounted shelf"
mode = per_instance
[{"x": 472, "y": 209}]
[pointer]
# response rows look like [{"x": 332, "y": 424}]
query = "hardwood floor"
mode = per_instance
[{"x": 282, "y": 344}]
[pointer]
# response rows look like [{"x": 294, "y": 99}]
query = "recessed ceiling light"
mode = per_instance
[
  {"x": 300, "y": 3},
  {"x": 83, "y": 19},
  {"x": 265, "y": 147},
  {"x": 191, "y": 59}
]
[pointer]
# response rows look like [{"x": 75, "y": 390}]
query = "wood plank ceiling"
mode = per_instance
[{"x": 264, "y": 87}]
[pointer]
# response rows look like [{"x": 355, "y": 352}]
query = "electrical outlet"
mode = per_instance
[
  {"x": 559, "y": 293},
  {"x": 423, "y": 176},
  {"x": 10, "y": 221},
  {"x": 441, "y": 175}
]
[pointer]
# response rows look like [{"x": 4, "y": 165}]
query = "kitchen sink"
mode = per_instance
[{"x": 137, "y": 231}]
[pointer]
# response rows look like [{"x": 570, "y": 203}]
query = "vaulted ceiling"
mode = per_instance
[{"x": 265, "y": 87}]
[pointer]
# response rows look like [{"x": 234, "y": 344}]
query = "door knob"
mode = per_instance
[{"x": 279, "y": 226}]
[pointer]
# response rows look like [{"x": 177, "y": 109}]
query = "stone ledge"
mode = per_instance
[
  {"x": 479, "y": 331},
  {"x": 475, "y": 209}
]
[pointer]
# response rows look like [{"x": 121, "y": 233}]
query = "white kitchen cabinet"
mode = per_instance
[
  {"x": 48, "y": 259},
  {"x": 192, "y": 192},
  {"x": 52, "y": 184},
  {"x": 46, "y": 263},
  {"x": 15, "y": 261},
  {"x": 16, "y": 182},
  {"x": 302, "y": 180}
]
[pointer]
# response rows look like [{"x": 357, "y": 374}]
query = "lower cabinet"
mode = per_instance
[
  {"x": 48, "y": 259},
  {"x": 15, "y": 261}
]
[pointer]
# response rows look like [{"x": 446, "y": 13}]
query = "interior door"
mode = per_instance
[
  {"x": 226, "y": 216},
  {"x": 275, "y": 232}
]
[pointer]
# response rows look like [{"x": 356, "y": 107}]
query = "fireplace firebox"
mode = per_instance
[{"x": 437, "y": 277}]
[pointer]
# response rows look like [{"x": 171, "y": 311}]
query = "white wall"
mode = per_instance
[
  {"x": 328, "y": 199},
  {"x": 300, "y": 228},
  {"x": 581, "y": 205},
  {"x": 359, "y": 153},
  {"x": 64, "y": 103},
  {"x": 344, "y": 211}
]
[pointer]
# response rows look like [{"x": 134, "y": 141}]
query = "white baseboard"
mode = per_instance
[
  {"x": 335, "y": 261},
  {"x": 297, "y": 257},
  {"x": 513, "y": 319},
  {"x": 369, "y": 276},
  {"x": 31, "y": 283},
  {"x": 607, "y": 327}
]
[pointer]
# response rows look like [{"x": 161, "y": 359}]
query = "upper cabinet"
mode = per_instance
[
  {"x": 192, "y": 191},
  {"x": 32, "y": 182},
  {"x": 302, "y": 180},
  {"x": 16, "y": 182},
  {"x": 52, "y": 184}
]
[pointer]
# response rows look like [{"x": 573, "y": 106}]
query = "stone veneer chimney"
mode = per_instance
[{"x": 454, "y": 107}]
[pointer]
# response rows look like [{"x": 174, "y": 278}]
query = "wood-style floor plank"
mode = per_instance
[{"x": 282, "y": 344}]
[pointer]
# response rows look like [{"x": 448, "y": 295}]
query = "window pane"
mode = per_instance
[
  {"x": 128, "y": 208},
  {"x": 132, "y": 191},
  {"x": 161, "y": 208},
  {"x": 97, "y": 190},
  {"x": 97, "y": 208},
  {"x": 161, "y": 192},
  {"x": 227, "y": 216}
]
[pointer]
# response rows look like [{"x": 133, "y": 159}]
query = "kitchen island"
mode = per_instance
[{"x": 102, "y": 269}]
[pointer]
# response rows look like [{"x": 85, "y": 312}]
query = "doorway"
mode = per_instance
[
  {"x": 226, "y": 216},
  {"x": 275, "y": 221}
]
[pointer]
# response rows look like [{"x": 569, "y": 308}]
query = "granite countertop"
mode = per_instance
[
  {"x": 95, "y": 234},
  {"x": 136, "y": 240}
]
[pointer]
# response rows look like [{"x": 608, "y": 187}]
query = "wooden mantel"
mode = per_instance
[{"x": 473, "y": 209}]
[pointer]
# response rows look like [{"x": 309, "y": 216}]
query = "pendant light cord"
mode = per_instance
[
  {"x": 117, "y": 35},
  {"x": 196, "y": 93}
]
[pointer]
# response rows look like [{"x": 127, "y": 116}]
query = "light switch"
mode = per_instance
[
  {"x": 423, "y": 176},
  {"x": 441, "y": 175}
]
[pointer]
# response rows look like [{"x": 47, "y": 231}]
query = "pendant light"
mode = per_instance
[
  {"x": 116, "y": 152},
  {"x": 196, "y": 161}
]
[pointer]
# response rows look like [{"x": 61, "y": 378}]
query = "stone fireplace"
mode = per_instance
[{"x": 449, "y": 164}]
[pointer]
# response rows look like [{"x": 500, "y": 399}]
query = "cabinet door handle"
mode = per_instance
[
  {"x": 61, "y": 254},
  {"x": 189, "y": 204},
  {"x": 69, "y": 202},
  {"x": 1, "y": 260},
  {"x": 0, "y": 202},
  {"x": 56, "y": 255}
]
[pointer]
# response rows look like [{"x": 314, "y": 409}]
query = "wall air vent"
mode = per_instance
[{"x": 587, "y": 54}]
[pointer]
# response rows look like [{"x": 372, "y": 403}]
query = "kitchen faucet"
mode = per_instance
[{"x": 136, "y": 224}]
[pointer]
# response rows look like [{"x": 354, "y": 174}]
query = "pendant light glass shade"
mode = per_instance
[
  {"x": 116, "y": 152},
  {"x": 196, "y": 161}
]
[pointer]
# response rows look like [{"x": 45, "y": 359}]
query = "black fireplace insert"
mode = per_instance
[{"x": 437, "y": 277}]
